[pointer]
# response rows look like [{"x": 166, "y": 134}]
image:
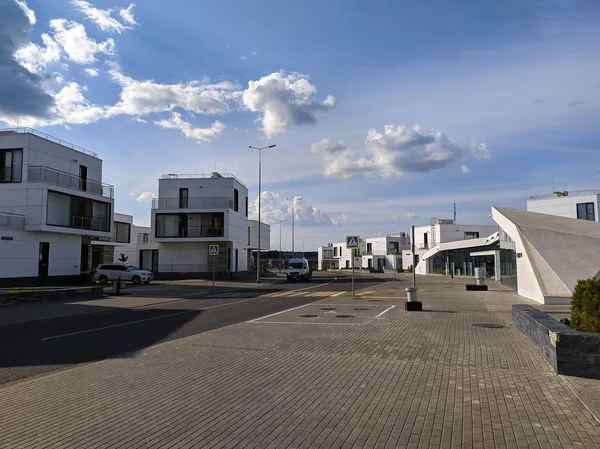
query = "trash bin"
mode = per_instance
[{"x": 480, "y": 276}]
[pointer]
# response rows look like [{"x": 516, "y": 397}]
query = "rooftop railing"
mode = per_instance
[
  {"x": 214, "y": 175},
  {"x": 64, "y": 179},
  {"x": 35, "y": 132},
  {"x": 565, "y": 193}
]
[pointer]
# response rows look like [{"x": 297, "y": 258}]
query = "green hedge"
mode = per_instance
[{"x": 585, "y": 306}]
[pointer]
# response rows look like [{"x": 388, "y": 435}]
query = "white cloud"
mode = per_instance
[
  {"x": 413, "y": 215},
  {"x": 35, "y": 57},
  {"x": 144, "y": 196},
  {"x": 75, "y": 43},
  {"x": 397, "y": 151},
  {"x": 465, "y": 169},
  {"x": 481, "y": 150},
  {"x": 284, "y": 100},
  {"x": 139, "y": 120},
  {"x": 243, "y": 58},
  {"x": 186, "y": 128},
  {"x": 92, "y": 72},
  {"x": 28, "y": 11},
  {"x": 274, "y": 207},
  {"x": 72, "y": 107},
  {"x": 147, "y": 96},
  {"x": 103, "y": 19}
]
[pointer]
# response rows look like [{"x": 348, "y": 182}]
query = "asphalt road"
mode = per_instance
[{"x": 38, "y": 347}]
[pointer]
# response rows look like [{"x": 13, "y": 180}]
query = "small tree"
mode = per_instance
[
  {"x": 123, "y": 257},
  {"x": 585, "y": 306}
]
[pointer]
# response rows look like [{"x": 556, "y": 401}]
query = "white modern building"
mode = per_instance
[
  {"x": 335, "y": 256},
  {"x": 580, "y": 204},
  {"x": 384, "y": 253},
  {"x": 52, "y": 204},
  {"x": 442, "y": 231},
  {"x": 194, "y": 211},
  {"x": 543, "y": 256}
]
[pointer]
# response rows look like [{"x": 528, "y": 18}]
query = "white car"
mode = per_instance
[
  {"x": 299, "y": 269},
  {"x": 113, "y": 271}
]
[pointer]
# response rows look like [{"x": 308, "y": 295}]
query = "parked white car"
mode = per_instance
[
  {"x": 127, "y": 272},
  {"x": 299, "y": 269}
]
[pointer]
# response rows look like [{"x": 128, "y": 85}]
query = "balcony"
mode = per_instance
[
  {"x": 68, "y": 180},
  {"x": 90, "y": 223},
  {"x": 12, "y": 221},
  {"x": 192, "y": 232},
  {"x": 192, "y": 203}
]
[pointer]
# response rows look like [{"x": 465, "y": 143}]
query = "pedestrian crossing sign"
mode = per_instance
[
  {"x": 352, "y": 242},
  {"x": 213, "y": 250}
]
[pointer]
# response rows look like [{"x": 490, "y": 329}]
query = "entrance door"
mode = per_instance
[
  {"x": 379, "y": 264},
  {"x": 85, "y": 252},
  {"x": 44, "y": 259}
]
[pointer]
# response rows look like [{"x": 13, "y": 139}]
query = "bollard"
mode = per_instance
[
  {"x": 118, "y": 286},
  {"x": 411, "y": 304}
]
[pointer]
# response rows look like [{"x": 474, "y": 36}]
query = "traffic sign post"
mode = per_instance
[
  {"x": 352, "y": 243},
  {"x": 213, "y": 250}
]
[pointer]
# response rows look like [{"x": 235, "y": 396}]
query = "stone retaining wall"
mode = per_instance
[{"x": 569, "y": 352}]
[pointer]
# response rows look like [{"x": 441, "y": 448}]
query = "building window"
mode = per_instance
[
  {"x": 471, "y": 235},
  {"x": 236, "y": 200},
  {"x": 76, "y": 212},
  {"x": 585, "y": 211},
  {"x": 246, "y": 206},
  {"x": 335, "y": 252},
  {"x": 347, "y": 264},
  {"x": 183, "y": 198},
  {"x": 143, "y": 237},
  {"x": 248, "y": 235},
  {"x": 369, "y": 248},
  {"x": 11, "y": 165},
  {"x": 122, "y": 232},
  {"x": 149, "y": 260},
  {"x": 425, "y": 242}
]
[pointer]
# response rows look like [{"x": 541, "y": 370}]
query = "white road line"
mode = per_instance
[
  {"x": 386, "y": 310},
  {"x": 146, "y": 319},
  {"x": 278, "y": 313},
  {"x": 337, "y": 294},
  {"x": 312, "y": 324}
]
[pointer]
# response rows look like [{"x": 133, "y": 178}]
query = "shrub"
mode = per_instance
[{"x": 585, "y": 306}]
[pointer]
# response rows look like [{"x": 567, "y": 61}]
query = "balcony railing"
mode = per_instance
[
  {"x": 565, "y": 193},
  {"x": 12, "y": 221},
  {"x": 213, "y": 175},
  {"x": 192, "y": 203},
  {"x": 194, "y": 232},
  {"x": 90, "y": 223},
  {"x": 35, "y": 132},
  {"x": 68, "y": 180}
]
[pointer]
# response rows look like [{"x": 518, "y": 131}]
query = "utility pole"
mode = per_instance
[
  {"x": 280, "y": 221},
  {"x": 293, "y": 200}
]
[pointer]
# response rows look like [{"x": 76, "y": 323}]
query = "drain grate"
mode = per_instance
[
  {"x": 328, "y": 308},
  {"x": 488, "y": 325},
  {"x": 344, "y": 316},
  {"x": 308, "y": 316},
  {"x": 360, "y": 308}
]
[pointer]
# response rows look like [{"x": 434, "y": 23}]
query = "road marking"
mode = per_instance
[
  {"x": 337, "y": 294},
  {"x": 386, "y": 310},
  {"x": 146, "y": 319},
  {"x": 368, "y": 292},
  {"x": 278, "y": 313}
]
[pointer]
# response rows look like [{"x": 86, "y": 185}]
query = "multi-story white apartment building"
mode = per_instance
[
  {"x": 52, "y": 204},
  {"x": 194, "y": 211},
  {"x": 443, "y": 231},
  {"x": 581, "y": 204},
  {"x": 335, "y": 256},
  {"x": 384, "y": 252}
]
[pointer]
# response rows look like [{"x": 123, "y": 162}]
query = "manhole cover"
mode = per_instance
[
  {"x": 361, "y": 308},
  {"x": 344, "y": 316},
  {"x": 328, "y": 308},
  {"x": 309, "y": 316},
  {"x": 488, "y": 325},
  {"x": 375, "y": 300}
]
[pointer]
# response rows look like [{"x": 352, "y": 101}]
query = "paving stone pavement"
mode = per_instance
[{"x": 372, "y": 380}]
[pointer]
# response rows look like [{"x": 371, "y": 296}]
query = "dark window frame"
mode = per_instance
[
  {"x": 3, "y": 153},
  {"x": 236, "y": 200},
  {"x": 184, "y": 202},
  {"x": 589, "y": 212},
  {"x": 471, "y": 234},
  {"x": 116, "y": 230},
  {"x": 91, "y": 217}
]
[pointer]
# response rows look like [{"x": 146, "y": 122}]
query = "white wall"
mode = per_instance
[
  {"x": 204, "y": 188},
  {"x": 444, "y": 233},
  {"x": 265, "y": 235},
  {"x": 564, "y": 206},
  {"x": 20, "y": 257}
]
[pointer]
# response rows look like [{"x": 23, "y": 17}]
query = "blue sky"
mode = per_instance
[{"x": 384, "y": 112}]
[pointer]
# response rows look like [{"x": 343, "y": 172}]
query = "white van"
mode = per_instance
[{"x": 299, "y": 269}]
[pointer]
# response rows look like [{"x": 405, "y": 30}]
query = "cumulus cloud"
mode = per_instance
[
  {"x": 274, "y": 207},
  {"x": 92, "y": 72},
  {"x": 76, "y": 44},
  {"x": 481, "y": 150},
  {"x": 465, "y": 169},
  {"x": 283, "y": 100},
  {"x": 36, "y": 57},
  {"x": 187, "y": 129},
  {"x": 28, "y": 12},
  {"x": 396, "y": 151},
  {"x": 147, "y": 96},
  {"x": 103, "y": 17},
  {"x": 144, "y": 196},
  {"x": 21, "y": 91}
]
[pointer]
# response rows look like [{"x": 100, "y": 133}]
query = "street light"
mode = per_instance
[
  {"x": 293, "y": 200},
  {"x": 280, "y": 221},
  {"x": 303, "y": 249},
  {"x": 259, "y": 188}
]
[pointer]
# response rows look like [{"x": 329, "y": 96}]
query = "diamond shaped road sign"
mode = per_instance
[
  {"x": 352, "y": 242},
  {"x": 213, "y": 250}
]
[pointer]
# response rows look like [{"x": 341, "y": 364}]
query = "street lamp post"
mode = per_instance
[
  {"x": 303, "y": 249},
  {"x": 280, "y": 221},
  {"x": 259, "y": 189},
  {"x": 293, "y": 200}
]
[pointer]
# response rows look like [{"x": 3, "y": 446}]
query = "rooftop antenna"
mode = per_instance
[{"x": 454, "y": 212}]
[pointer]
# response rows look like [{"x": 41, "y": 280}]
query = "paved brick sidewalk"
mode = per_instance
[{"x": 381, "y": 378}]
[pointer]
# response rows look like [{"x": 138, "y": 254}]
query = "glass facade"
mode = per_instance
[
  {"x": 461, "y": 263},
  {"x": 508, "y": 260}
]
